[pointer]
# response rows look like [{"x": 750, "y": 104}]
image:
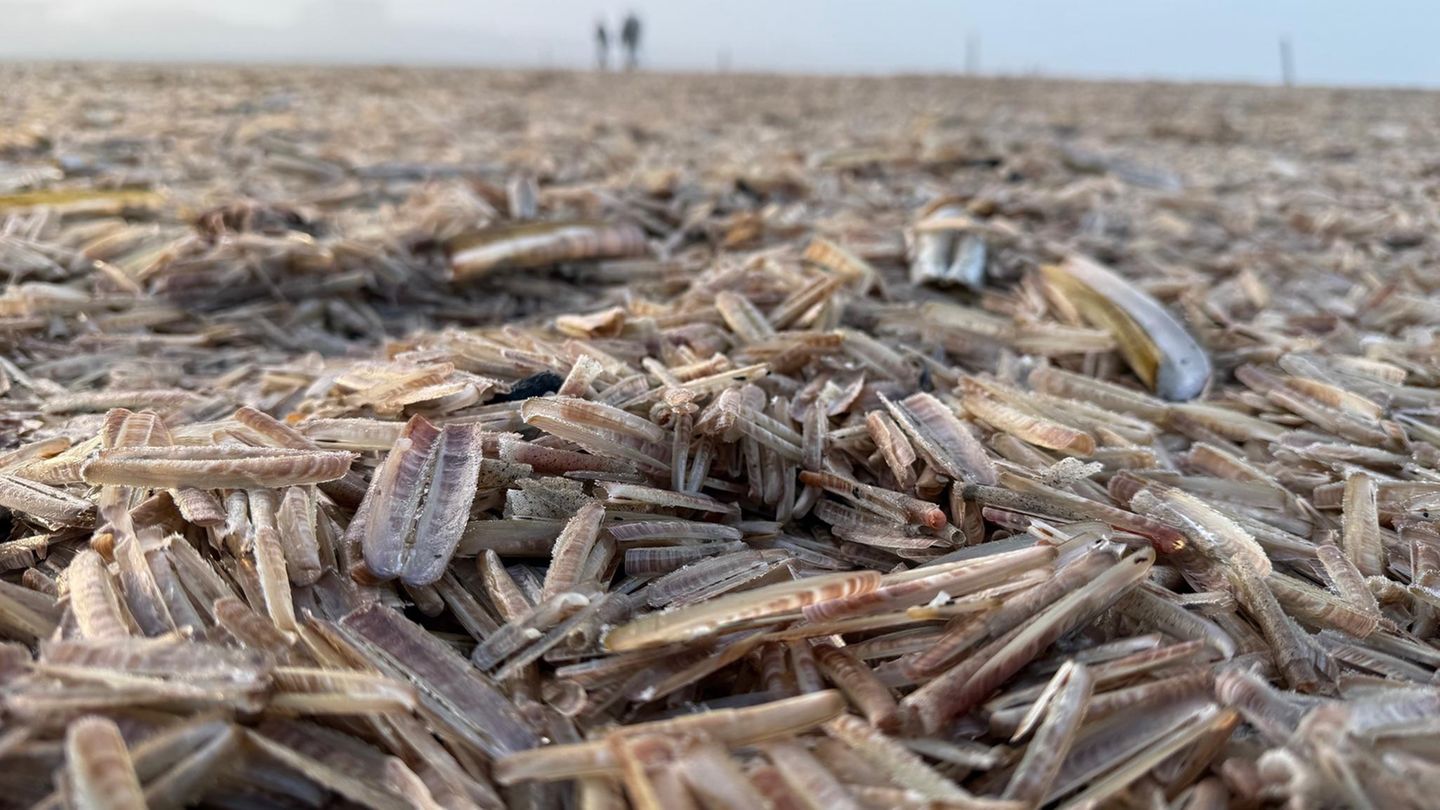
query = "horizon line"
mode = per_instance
[{"x": 410, "y": 63}]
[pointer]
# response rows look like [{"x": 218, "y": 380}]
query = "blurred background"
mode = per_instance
[{"x": 1333, "y": 41}]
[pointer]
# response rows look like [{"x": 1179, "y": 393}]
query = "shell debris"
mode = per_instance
[{"x": 646, "y": 441}]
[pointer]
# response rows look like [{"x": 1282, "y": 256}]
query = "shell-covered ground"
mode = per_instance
[{"x": 439, "y": 438}]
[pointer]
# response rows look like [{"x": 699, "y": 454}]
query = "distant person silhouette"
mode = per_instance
[
  {"x": 630, "y": 38},
  {"x": 602, "y": 46}
]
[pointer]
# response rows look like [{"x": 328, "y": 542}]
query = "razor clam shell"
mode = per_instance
[
  {"x": 269, "y": 557},
  {"x": 50, "y": 506},
  {"x": 350, "y": 786},
  {"x": 465, "y": 701},
  {"x": 1097, "y": 750},
  {"x": 1011, "y": 613},
  {"x": 942, "y": 438},
  {"x": 1036, "y": 431},
  {"x": 905, "y": 768},
  {"x": 716, "y": 779},
  {"x": 214, "y": 468},
  {"x": 1361, "y": 530},
  {"x": 93, "y": 600},
  {"x": 394, "y": 498},
  {"x": 161, "y": 658},
  {"x": 865, "y": 691},
  {"x": 645, "y": 562},
  {"x": 1182, "y": 368},
  {"x": 770, "y": 720},
  {"x": 953, "y": 693},
  {"x": 699, "y": 621},
  {"x": 923, "y": 584},
  {"x": 447, "y": 505},
  {"x": 1054, "y": 738},
  {"x": 594, "y": 414},
  {"x": 524, "y": 245},
  {"x": 101, "y": 771},
  {"x": 808, "y": 777},
  {"x": 194, "y": 773},
  {"x": 295, "y": 525},
  {"x": 142, "y": 594},
  {"x": 792, "y": 467},
  {"x": 198, "y": 506},
  {"x": 942, "y": 255},
  {"x": 571, "y": 548},
  {"x": 322, "y": 691}
]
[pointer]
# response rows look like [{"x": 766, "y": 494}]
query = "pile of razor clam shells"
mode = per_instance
[{"x": 714, "y": 442}]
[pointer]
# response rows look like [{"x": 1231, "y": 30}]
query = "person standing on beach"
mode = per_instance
[
  {"x": 602, "y": 46},
  {"x": 630, "y": 38}
]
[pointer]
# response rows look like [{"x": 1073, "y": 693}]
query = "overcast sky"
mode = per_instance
[{"x": 1335, "y": 41}]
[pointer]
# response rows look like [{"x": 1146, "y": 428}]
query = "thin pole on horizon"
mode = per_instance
[
  {"x": 972, "y": 54},
  {"x": 1287, "y": 62}
]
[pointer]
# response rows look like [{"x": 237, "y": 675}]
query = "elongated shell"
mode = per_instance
[
  {"x": 394, "y": 498},
  {"x": 45, "y": 503},
  {"x": 1158, "y": 348},
  {"x": 944, "y": 251},
  {"x": 541, "y": 243},
  {"x": 215, "y": 467},
  {"x": 447, "y": 505},
  {"x": 708, "y": 618},
  {"x": 102, "y": 774},
  {"x": 771, "y": 720}
]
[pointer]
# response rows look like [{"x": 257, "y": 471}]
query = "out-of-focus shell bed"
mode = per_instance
[{"x": 434, "y": 438}]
